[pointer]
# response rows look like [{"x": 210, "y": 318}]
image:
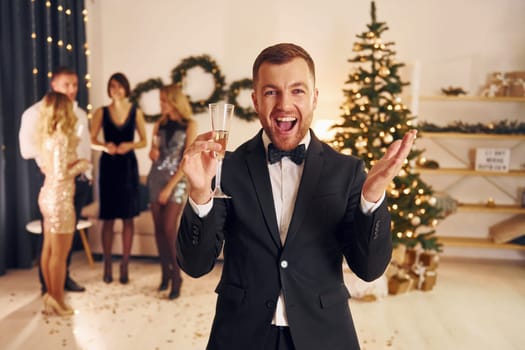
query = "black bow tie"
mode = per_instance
[{"x": 296, "y": 155}]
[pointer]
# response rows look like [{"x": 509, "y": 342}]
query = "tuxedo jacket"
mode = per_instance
[{"x": 327, "y": 225}]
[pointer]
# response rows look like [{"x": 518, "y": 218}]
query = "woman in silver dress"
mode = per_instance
[{"x": 166, "y": 184}]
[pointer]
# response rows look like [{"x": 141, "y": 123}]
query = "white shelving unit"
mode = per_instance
[{"x": 456, "y": 175}]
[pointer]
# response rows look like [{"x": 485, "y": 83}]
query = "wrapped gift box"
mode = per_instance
[
  {"x": 400, "y": 283},
  {"x": 391, "y": 270},
  {"x": 429, "y": 259},
  {"x": 411, "y": 256},
  {"x": 430, "y": 280},
  {"x": 399, "y": 254}
]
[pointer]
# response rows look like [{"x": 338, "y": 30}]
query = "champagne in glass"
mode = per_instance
[
  {"x": 221, "y": 136},
  {"x": 221, "y": 115}
]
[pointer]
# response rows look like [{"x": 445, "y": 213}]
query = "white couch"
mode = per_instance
[{"x": 143, "y": 239}]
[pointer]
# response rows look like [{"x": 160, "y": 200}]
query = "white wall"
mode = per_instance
[{"x": 454, "y": 42}]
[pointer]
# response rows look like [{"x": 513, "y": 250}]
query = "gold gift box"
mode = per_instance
[
  {"x": 430, "y": 280},
  {"x": 399, "y": 284}
]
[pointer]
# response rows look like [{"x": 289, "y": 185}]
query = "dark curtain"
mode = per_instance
[{"x": 35, "y": 37}]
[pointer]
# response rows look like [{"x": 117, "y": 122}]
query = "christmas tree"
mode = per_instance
[{"x": 373, "y": 117}]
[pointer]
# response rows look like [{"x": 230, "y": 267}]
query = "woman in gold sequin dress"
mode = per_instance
[{"x": 60, "y": 164}]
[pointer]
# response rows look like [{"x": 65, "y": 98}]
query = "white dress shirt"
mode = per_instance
[
  {"x": 285, "y": 177},
  {"x": 27, "y": 137}
]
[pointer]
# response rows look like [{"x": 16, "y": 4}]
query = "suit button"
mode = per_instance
[
  {"x": 270, "y": 304},
  {"x": 284, "y": 264}
]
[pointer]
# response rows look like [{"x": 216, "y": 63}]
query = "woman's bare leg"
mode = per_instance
[
  {"x": 60, "y": 246},
  {"x": 44, "y": 259}
]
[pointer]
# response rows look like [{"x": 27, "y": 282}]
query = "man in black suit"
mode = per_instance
[{"x": 289, "y": 222}]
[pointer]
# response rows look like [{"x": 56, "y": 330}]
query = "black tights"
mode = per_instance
[
  {"x": 107, "y": 244},
  {"x": 166, "y": 219}
]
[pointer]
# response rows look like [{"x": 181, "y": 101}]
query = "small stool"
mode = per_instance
[{"x": 35, "y": 227}]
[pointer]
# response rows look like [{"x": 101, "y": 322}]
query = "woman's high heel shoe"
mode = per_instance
[
  {"x": 108, "y": 275},
  {"x": 164, "y": 284},
  {"x": 124, "y": 274},
  {"x": 175, "y": 289},
  {"x": 52, "y": 306},
  {"x": 47, "y": 309}
]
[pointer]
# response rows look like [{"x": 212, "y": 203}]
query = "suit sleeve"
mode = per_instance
[
  {"x": 367, "y": 238},
  {"x": 200, "y": 240}
]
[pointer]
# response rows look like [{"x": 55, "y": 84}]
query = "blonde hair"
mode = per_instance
[
  {"x": 178, "y": 100},
  {"x": 56, "y": 114}
]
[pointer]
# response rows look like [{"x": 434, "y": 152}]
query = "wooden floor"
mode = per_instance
[{"x": 475, "y": 305}]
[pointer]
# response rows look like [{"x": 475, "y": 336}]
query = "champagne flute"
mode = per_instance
[
  {"x": 221, "y": 115},
  {"x": 155, "y": 141}
]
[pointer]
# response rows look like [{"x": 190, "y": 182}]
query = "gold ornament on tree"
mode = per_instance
[
  {"x": 416, "y": 220},
  {"x": 360, "y": 143},
  {"x": 388, "y": 138},
  {"x": 384, "y": 71}
]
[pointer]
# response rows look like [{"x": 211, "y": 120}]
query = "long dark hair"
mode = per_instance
[{"x": 122, "y": 80}]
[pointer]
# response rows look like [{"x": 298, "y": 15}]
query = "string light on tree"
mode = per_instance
[{"x": 373, "y": 117}]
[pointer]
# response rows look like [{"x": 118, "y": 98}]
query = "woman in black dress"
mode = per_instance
[{"x": 118, "y": 170}]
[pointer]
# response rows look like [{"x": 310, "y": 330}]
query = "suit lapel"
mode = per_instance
[
  {"x": 309, "y": 181},
  {"x": 257, "y": 166}
]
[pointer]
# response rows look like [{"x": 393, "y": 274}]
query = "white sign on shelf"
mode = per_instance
[{"x": 493, "y": 159}]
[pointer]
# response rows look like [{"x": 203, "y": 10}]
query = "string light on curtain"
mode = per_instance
[
  {"x": 33, "y": 47},
  {"x": 57, "y": 38},
  {"x": 49, "y": 48},
  {"x": 87, "y": 77}
]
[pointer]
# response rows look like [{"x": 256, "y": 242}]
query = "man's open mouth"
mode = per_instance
[{"x": 285, "y": 123}]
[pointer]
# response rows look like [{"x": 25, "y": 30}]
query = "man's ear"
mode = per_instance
[
  {"x": 254, "y": 101},
  {"x": 316, "y": 94}
]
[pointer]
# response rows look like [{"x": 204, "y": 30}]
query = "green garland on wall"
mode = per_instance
[
  {"x": 246, "y": 113},
  {"x": 178, "y": 74},
  {"x": 136, "y": 93},
  {"x": 503, "y": 127}
]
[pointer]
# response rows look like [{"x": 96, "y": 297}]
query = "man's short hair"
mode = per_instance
[
  {"x": 279, "y": 54},
  {"x": 62, "y": 70}
]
